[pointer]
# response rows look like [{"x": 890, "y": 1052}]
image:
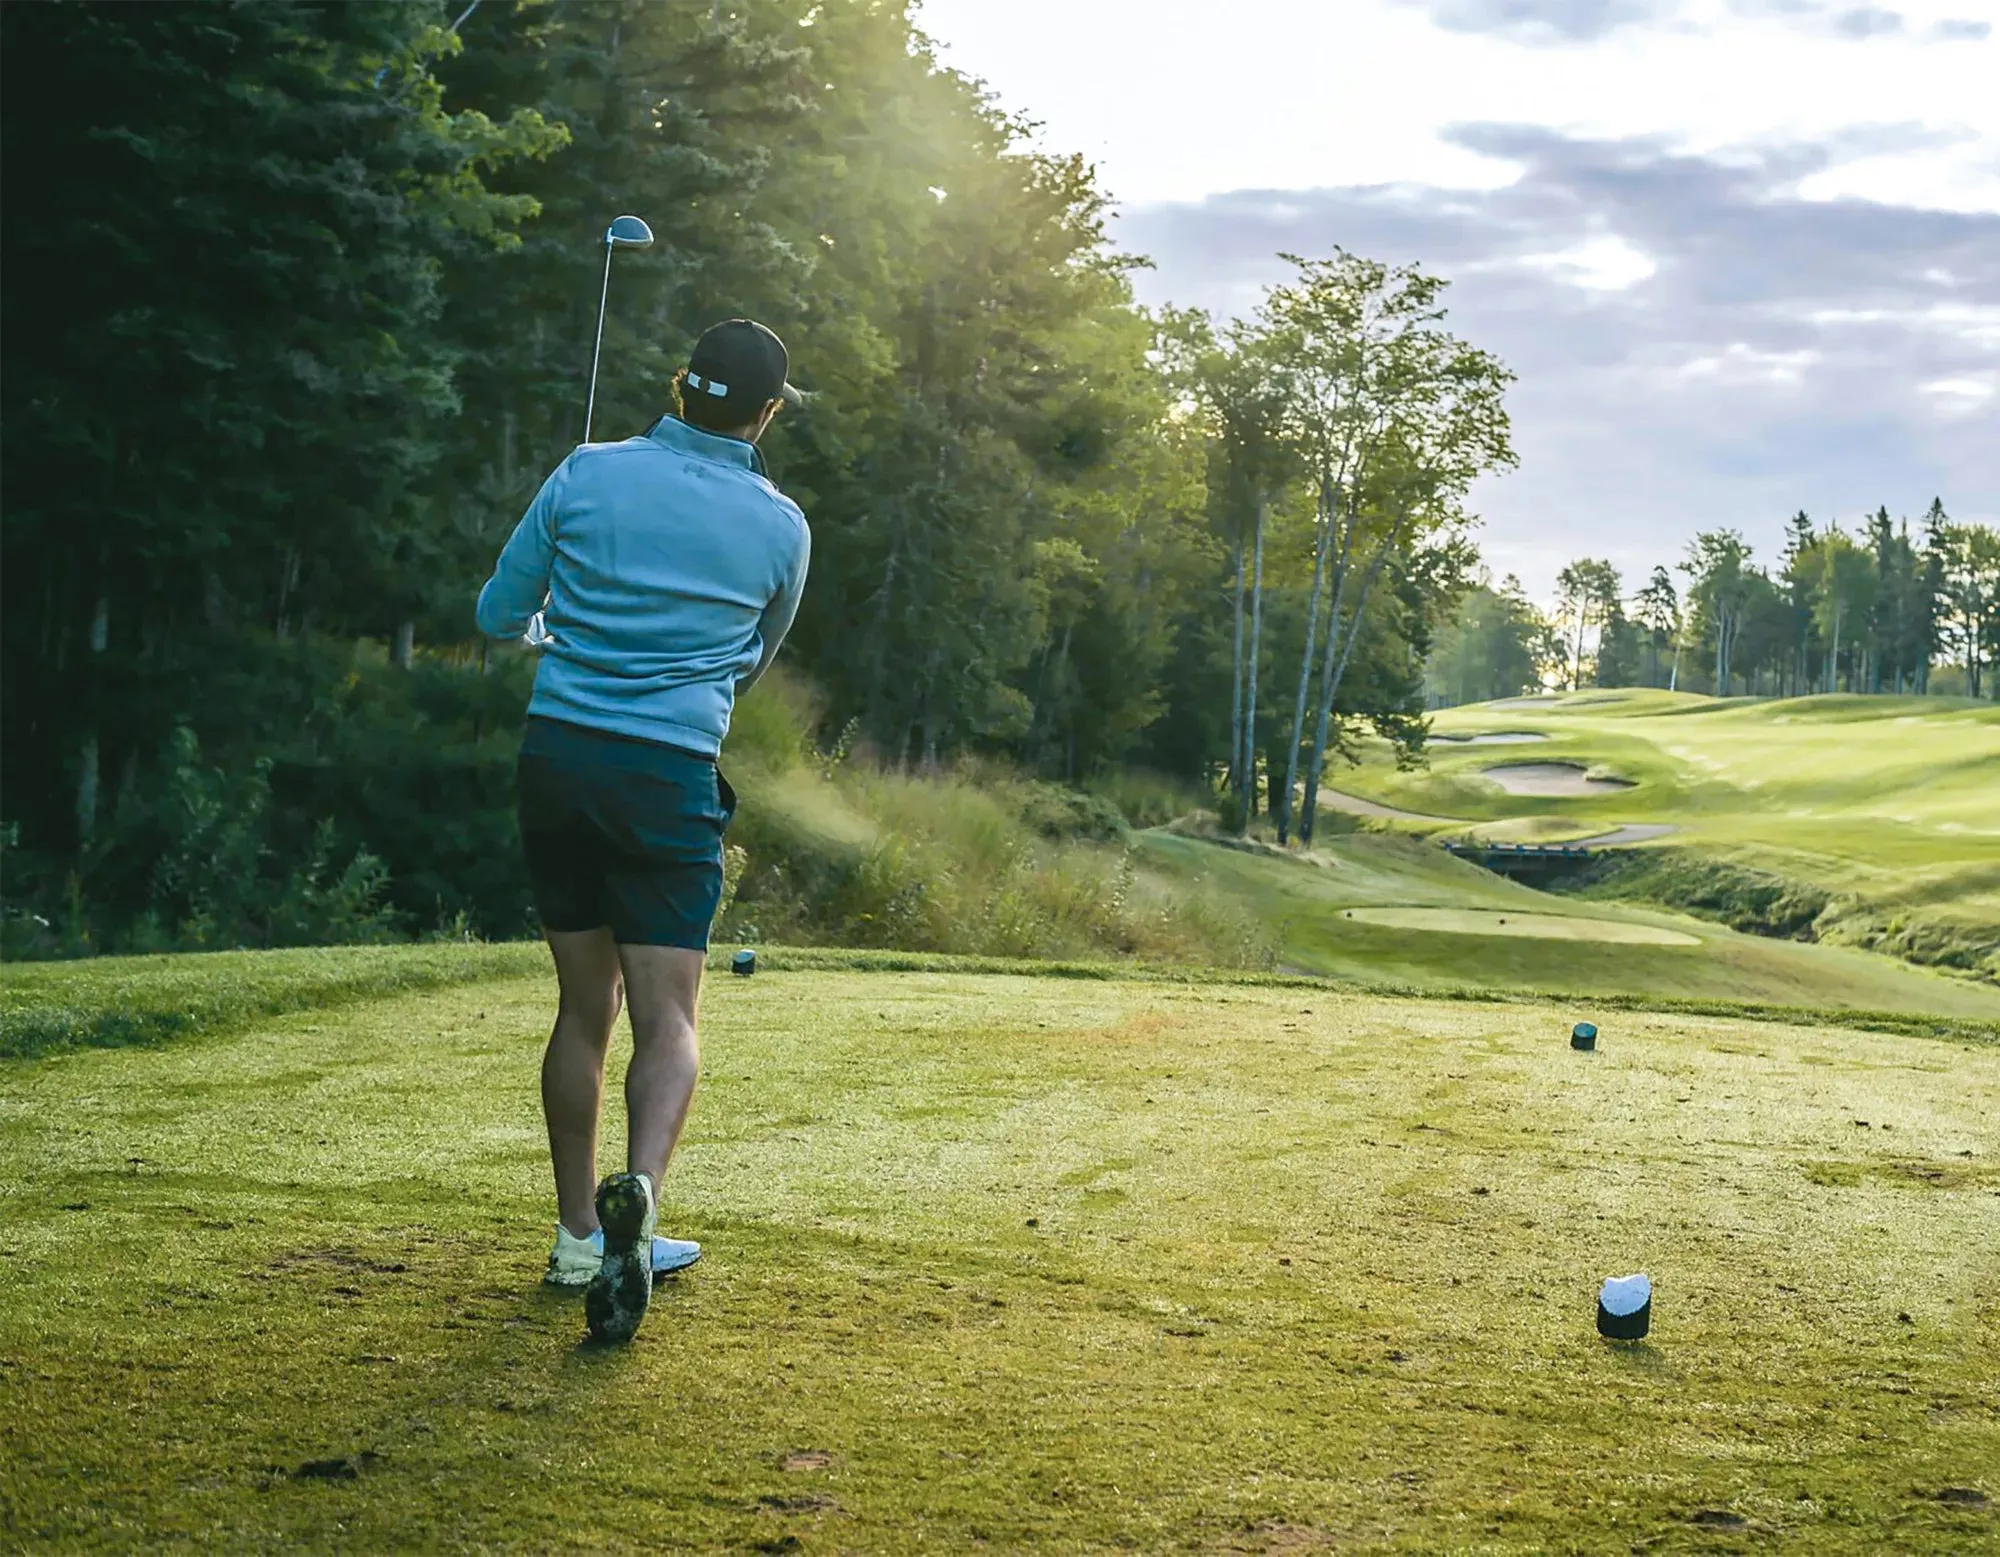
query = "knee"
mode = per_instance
[
  {"x": 591, "y": 1013},
  {"x": 669, "y": 1032}
]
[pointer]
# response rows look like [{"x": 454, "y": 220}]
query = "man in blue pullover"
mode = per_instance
[{"x": 656, "y": 577}]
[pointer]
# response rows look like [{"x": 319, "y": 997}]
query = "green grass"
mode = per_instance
[
  {"x": 1016, "y": 1264},
  {"x": 974, "y": 861},
  {"x": 108, "y": 1001},
  {"x": 1303, "y": 906},
  {"x": 1889, "y": 806}
]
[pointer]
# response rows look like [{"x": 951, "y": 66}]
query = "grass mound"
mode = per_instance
[
  {"x": 113, "y": 1001},
  {"x": 1757, "y": 902},
  {"x": 1024, "y": 1263}
]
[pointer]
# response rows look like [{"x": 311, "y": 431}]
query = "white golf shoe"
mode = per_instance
[{"x": 574, "y": 1261}]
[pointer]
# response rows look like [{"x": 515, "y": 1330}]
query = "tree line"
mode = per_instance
[
  {"x": 298, "y": 302},
  {"x": 1881, "y": 608}
]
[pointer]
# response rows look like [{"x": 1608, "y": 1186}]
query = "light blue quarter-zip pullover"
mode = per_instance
[{"x": 667, "y": 570}]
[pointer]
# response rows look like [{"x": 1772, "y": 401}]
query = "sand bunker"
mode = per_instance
[
  {"x": 1551, "y": 778},
  {"x": 1495, "y": 738},
  {"x": 1547, "y": 927}
]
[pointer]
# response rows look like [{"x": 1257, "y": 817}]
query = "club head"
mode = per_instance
[{"x": 628, "y": 232}]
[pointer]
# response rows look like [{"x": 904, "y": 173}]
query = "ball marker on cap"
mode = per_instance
[{"x": 1625, "y": 1307}]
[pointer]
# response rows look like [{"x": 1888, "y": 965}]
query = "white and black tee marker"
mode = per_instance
[{"x": 1625, "y": 1307}]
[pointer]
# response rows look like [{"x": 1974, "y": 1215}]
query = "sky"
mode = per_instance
[{"x": 1743, "y": 254}]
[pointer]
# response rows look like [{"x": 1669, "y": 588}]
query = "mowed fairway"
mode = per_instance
[
  {"x": 1892, "y": 804},
  {"x": 1016, "y": 1263}
]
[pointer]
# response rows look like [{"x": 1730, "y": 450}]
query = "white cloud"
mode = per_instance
[
  {"x": 1303, "y": 94},
  {"x": 1741, "y": 363},
  {"x": 1777, "y": 358},
  {"x": 1974, "y": 325},
  {"x": 1964, "y": 395},
  {"x": 1601, "y": 264},
  {"x": 1744, "y": 254}
]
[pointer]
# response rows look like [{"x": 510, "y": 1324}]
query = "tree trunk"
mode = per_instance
[
  {"x": 288, "y": 578},
  {"x": 1309, "y": 801},
  {"x": 87, "y": 757},
  {"x": 1235, "y": 780},
  {"x": 406, "y": 644},
  {"x": 86, "y": 791},
  {"x": 1336, "y": 669},
  {"x": 1356, "y": 621},
  {"x": 1250, "y": 697},
  {"x": 1322, "y": 544}
]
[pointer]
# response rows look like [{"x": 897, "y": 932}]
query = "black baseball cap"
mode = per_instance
[{"x": 740, "y": 366}]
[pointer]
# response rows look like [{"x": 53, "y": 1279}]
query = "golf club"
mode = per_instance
[{"x": 625, "y": 232}]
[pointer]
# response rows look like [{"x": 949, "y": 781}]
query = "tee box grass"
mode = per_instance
[{"x": 1014, "y": 1263}]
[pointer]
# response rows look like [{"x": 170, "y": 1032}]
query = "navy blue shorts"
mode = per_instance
[{"x": 622, "y": 834}]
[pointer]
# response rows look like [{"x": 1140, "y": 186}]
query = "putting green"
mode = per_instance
[{"x": 1547, "y": 927}]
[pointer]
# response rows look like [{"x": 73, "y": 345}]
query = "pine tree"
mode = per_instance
[{"x": 226, "y": 374}]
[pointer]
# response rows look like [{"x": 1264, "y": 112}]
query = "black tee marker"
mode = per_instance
[
  {"x": 744, "y": 963},
  {"x": 1625, "y": 1307},
  {"x": 1583, "y": 1036}
]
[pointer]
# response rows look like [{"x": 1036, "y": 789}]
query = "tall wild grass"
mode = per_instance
[{"x": 834, "y": 849}]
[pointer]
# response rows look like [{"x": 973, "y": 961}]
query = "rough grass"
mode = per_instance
[
  {"x": 975, "y": 861},
  {"x": 1887, "y": 808},
  {"x": 109, "y": 1001},
  {"x": 1021, "y": 1264}
]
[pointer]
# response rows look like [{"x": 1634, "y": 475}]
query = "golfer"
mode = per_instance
[{"x": 657, "y": 578}]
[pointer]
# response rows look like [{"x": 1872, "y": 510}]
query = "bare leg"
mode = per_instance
[
  {"x": 664, "y": 986},
  {"x": 573, "y": 1067}
]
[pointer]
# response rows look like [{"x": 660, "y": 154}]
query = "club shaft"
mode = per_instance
[{"x": 597, "y": 351}]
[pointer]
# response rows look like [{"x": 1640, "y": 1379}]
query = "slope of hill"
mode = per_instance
[
  {"x": 1869, "y": 822},
  {"x": 1382, "y": 908}
]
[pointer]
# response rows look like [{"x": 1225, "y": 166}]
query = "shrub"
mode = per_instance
[{"x": 1148, "y": 799}]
